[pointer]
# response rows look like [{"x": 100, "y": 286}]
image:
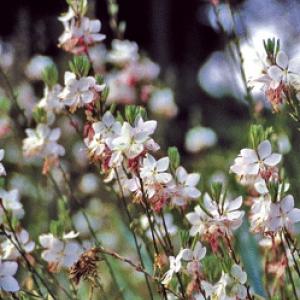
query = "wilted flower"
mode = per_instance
[{"x": 85, "y": 267}]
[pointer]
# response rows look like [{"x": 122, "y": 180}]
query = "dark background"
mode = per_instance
[{"x": 172, "y": 32}]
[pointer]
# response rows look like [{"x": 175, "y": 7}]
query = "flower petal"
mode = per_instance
[
  {"x": 275, "y": 73},
  {"x": 282, "y": 60},
  {"x": 264, "y": 149},
  {"x": 273, "y": 159}
]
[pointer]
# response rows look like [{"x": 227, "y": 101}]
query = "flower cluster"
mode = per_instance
[
  {"x": 79, "y": 31},
  {"x": 271, "y": 212}
]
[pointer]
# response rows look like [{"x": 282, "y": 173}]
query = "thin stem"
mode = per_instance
[
  {"x": 147, "y": 210},
  {"x": 296, "y": 267},
  {"x": 288, "y": 268},
  {"x": 138, "y": 268},
  {"x": 12, "y": 96},
  {"x": 86, "y": 218},
  {"x": 132, "y": 231},
  {"x": 19, "y": 248}
]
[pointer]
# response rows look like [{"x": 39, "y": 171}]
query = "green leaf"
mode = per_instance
[
  {"x": 174, "y": 157},
  {"x": 248, "y": 249},
  {"x": 50, "y": 75},
  {"x": 80, "y": 66}
]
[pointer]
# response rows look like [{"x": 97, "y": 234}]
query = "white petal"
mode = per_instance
[
  {"x": 2, "y": 152},
  {"x": 162, "y": 164},
  {"x": 273, "y": 159},
  {"x": 193, "y": 218},
  {"x": 9, "y": 284},
  {"x": 193, "y": 179},
  {"x": 249, "y": 154},
  {"x": 186, "y": 254},
  {"x": 192, "y": 192},
  {"x": 163, "y": 177},
  {"x": 55, "y": 134},
  {"x": 261, "y": 187},
  {"x": 181, "y": 174},
  {"x": 9, "y": 268},
  {"x": 95, "y": 25},
  {"x": 287, "y": 203},
  {"x": 294, "y": 215},
  {"x": 46, "y": 240},
  {"x": 264, "y": 149},
  {"x": 275, "y": 73},
  {"x": 69, "y": 77},
  {"x": 236, "y": 203},
  {"x": 282, "y": 60},
  {"x": 199, "y": 251}
]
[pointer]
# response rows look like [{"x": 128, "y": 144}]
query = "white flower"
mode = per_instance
[
  {"x": 133, "y": 140},
  {"x": 260, "y": 210},
  {"x": 279, "y": 72},
  {"x": 11, "y": 202},
  {"x": 58, "y": 252},
  {"x": 10, "y": 251},
  {"x": 79, "y": 92},
  {"x": 51, "y": 101},
  {"x": 79, "y": 34},
  {"x": 104, "y": 131},
  {"x": 226, "y": 214},
  {"x": 90, "y": 31},
  {"x": 7, "y": 53},
  {"x": 236, "y": 283},
  {"x": 201, "y": 222},
  {"x": 36, "y": 66},
  {"x": 42, "y": 142},
  {"x": 154, "y": 171},
  {"x": 162, "y": 103},
  {"x": 7, "y": 282},
  {"x": 199, "y": 138},
  {"x": 2, "y": 169},
  {"x": 185, "y": 188},
  {"x": 252, "y": 162},
  {"x": 283, "y": 214},
  {"x": 119, "y": 89},
  {"x": 175, "y": 266},
  {"x": 123, "y": 52},
  {"x": 142, "y": 70},
  {"x": 193, "y": 257},
  {"x": 214, "y": 291}
]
